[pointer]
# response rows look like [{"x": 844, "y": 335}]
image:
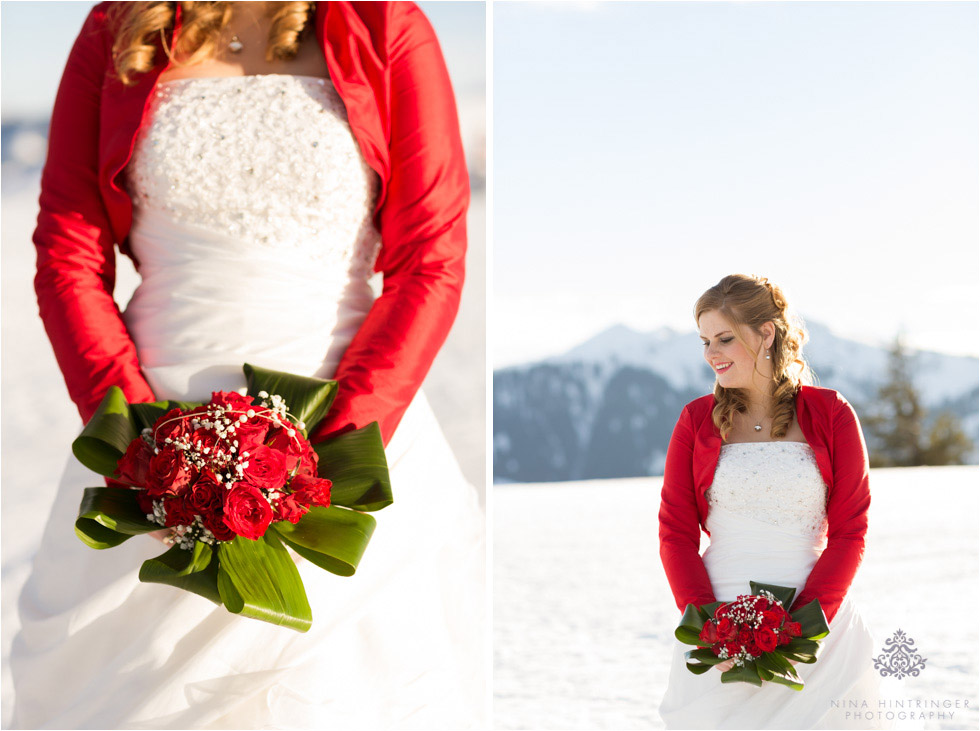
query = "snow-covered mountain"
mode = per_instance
[{"x": 606, "y": 407}]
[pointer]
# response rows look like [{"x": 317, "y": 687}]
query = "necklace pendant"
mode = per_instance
[
  {"x": 758, "y": 427},
  {"x": 235, "y": 45}
]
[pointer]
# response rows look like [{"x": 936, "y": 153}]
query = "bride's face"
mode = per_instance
[{"x": 733, "y": 365}]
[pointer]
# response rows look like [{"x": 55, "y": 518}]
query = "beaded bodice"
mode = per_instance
[
  {"x": 265, "y": 160},
  {"x": 774, "y": 482}
]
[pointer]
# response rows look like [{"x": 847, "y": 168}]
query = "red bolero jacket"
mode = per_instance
[
  {"x": 386, "y": 64},
  {"x": 831, "y": 428}
]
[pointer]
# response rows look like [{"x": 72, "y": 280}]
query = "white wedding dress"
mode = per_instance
[
  {"x": 767, "y": 518},
  {"x": 253, "y": 228}
]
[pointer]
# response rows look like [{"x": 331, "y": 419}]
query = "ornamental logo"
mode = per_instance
[{"x": 899, "y": 657}]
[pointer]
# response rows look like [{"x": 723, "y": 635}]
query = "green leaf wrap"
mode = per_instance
[
  {"x": 747, "y": 673},
  {"x": 812, "y": 620},
  {"x": 107, "y": 434},
  {"x": 96, "y": 535},
  {"x": 195, "y": 571},
  {"x": 258, "y": 579},
  {"x": 784, "y": 594},
  {"x": 333, "y": 538},
  {"x": 308, "y": 398},
  {"x": 356, "y": 464},
  {"x": 115, "y": 508}
]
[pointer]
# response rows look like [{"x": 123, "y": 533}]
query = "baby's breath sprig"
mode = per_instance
[{"x": 273, "y": 409}]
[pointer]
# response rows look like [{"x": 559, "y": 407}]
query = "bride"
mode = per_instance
[
  {"x": 775, "y": 471},
  {"x": 260, "y": 162}
]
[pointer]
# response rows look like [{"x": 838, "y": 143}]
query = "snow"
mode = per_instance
[
  {"x": 583, "y": 615},
  {"x": 39, "y": 420}
]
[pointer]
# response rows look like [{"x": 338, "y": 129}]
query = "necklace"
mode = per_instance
[{"x": 235, "y": 45}]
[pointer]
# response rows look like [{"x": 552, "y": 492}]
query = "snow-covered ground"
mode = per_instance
[
  {"x": 584, "y": 617},
  {"x": 39, "y": 421}
]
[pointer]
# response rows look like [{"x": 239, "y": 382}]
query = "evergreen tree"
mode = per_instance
[
  {"x": 897, "y": 423},
  {"x": 948, "y": 443}
]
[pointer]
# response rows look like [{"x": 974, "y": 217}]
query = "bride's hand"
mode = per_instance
[
  {"x": 727, "y": 665},
  {"x": 160, "y": 535}
]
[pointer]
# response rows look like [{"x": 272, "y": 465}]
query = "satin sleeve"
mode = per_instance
[
  {"x": 680, "y": 527},
  {"x": 75, "y": 255},
  {"x": 849, "y": 499},
  {"x": 422, "y": 223}
]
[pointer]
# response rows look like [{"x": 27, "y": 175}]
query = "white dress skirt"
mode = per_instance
[
  {"x": 253, "y": 228},
  {"x": 768, "y": 524}
]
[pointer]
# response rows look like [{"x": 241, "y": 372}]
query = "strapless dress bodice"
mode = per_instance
[
  {"x": 253, "y": 228},
  {"x": 774, "y": 482},
  {"x": 766, "y": 516}
]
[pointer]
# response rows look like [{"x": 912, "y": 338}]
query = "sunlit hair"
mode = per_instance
[
  {"x": 137, "y": 24},
  {"x": 750, "y": 301}
]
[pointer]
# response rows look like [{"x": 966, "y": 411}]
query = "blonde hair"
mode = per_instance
[
  {"x": 751, "y": 301},
  {"x": 137, "y": 24}
]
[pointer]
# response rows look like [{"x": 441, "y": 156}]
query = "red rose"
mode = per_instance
[
  {"x": 168, "y": 473},
  {"x": 709, "y": 633},
  {"x": 179, "y": 512},
  {"x": 726, "y": 629},
  {"x": 266, "y": 468},
  {"x": 135, "y": 464},
  {"x": 247, "y": 512},
  {"x": 214, "y": 522},
  {"x": 733, "y": 648},
  {"x": 231, "y": 400},
  {"x": 744, "y": 636},
  {"x": 292, "y": 446},
  {"x": 204, "y": 439},
  {"x": 207, "y": 495},
  {"x": 766, "y": 638},
  {"x": 794, "y": 629},
  {"x": 170, "y": 426},
  {"x": 145, "y": 501},
  {"x": 753, "y": 649},
  {"x": 250, "y": 434},
  {"x": 291, "y": 509},
  {"x": 771, "y": 619},
  {"x": 311, "y": 490},
  {"x": 308, "y": 462},
  {"x": 784, "y": 639}
]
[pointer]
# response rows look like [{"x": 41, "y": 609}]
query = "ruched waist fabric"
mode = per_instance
[
  {"x": 205, "y": 307},
  {"x": 744, "y": 549}
]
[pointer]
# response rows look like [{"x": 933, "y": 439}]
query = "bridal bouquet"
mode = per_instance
[
  {"x": 757, "y": 633},
  {"x": 236, "y": 481}
]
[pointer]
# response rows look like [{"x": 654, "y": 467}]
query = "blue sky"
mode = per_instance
[
  {"x": 644, "y": 150},
  {"x": 36, "y": 38}
]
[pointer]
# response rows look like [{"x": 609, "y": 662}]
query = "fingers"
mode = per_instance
[{"x": 160, "y": 535}]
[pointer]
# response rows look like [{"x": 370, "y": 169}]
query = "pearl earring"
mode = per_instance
[{"x": 767, "y": 355}]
